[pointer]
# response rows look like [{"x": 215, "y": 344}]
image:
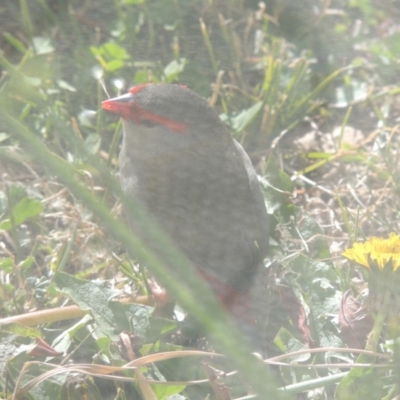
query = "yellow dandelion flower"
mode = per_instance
[
  {"x": 376, "y": 253},
  {"x": 381, "y": 258}
]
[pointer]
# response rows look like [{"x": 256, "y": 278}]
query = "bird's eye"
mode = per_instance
[{"x": 148, "y": 123}]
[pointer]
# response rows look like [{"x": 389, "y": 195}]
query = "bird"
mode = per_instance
[{"x": 180, "y": 160}]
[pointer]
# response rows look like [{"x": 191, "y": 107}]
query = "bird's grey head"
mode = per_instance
[{"x": 173, "y": 106}]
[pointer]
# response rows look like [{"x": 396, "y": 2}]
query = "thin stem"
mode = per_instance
[{"x": 373, "y": 337}]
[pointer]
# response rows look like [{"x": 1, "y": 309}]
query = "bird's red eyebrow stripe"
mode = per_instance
[
  {"x": 179, "y": 127},
  {"x": 138, "y": 88}
]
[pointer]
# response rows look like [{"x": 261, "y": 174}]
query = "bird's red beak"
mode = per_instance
[{"x": 121, "y": 105}]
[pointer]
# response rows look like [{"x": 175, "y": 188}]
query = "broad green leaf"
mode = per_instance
[
  {"x": 111, "y": 316},
  {"x": 27, "y": 208},
  {"x": 7, "y": 264},
  {"x": 173, "y": 69},
  {"x": 241, "y": 120},
  {"x": 114, "y": 51},
  {"x": 168, "y": 392},
  {"x": 362, "y": 383},
  {"x": 114, "y": 65}
]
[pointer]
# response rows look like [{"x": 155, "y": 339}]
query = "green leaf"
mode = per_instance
[
  {"x": 27, "y": 263},
  {"x": 173, "y": 69},
  {"x": 15, "y": 42},
  {"x": 65, "y": 85},
  {"x": 92, "y": 143},
  {"x": 96, "y": 51},
  {"x": 111, "y": 316},
  {"x": 393, "y": 44},
  {"x": 11, "y": 345},
  {"x": 361, "y": 383},
  {"x": 63, "y": 342},
  {"x": 168, "y": 392},
  {"x": 287, "y": 343},
  {"x": 7, "y": 265},
  {"x": 278, "y": 188},
  {"x": 114, "y": 65},
  {"x": 241, "y": 120},
  {"x": 27, "y": 208},
  {"x": 115, "y": 51},
  {"x": 111, "y": 56},
  {"x": 42, "y": 45}
]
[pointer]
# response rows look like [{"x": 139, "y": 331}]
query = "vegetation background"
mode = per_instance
[{"x": 309, "y": 87}]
